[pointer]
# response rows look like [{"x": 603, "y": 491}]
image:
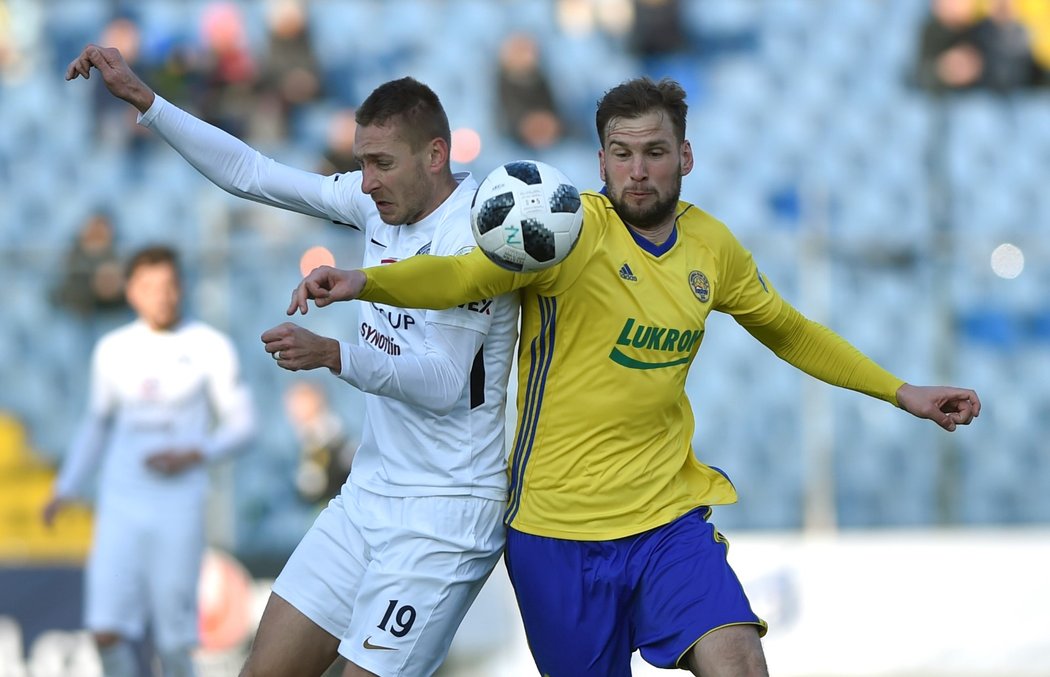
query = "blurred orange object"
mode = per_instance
[{"x": 225, "y": 602}]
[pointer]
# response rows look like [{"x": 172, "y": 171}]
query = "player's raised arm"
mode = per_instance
[{"x": 222, "y": 158}]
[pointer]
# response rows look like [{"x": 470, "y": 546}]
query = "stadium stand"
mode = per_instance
[{"x": 811, "y": 145}]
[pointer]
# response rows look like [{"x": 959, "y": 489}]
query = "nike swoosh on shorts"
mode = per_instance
[{"x": 368, "y": 645}]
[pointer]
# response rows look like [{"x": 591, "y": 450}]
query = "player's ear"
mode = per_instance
[
  {"x": 437, "y": 154},
  {"x": 687, "y": 158},
  {"x": 601, "y": 164}
]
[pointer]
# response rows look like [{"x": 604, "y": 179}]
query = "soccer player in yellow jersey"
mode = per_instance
[{"x": 608, "y": 545}]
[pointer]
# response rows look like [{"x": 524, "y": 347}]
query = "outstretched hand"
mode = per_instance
[
  {"x": 946, "y": 406},
  {"x": 295, "y": 348},
  {"x": 326, "y": 285},
  {"x": 117, "y": 75}
]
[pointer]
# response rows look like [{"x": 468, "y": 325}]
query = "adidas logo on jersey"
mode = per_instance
[{"x": 627, "y": 274}]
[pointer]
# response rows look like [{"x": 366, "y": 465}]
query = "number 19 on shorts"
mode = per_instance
[{"x": 403, "y": 617}]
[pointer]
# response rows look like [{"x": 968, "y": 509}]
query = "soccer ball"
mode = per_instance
[{"x": 526, "y": 216}]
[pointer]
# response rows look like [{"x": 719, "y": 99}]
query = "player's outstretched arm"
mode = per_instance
[
  {"x": 120, "y": 80},
  {"x": 326, "y": 285},
  {"x": 946, "y": 406},
  {"x": 432, "y": 282},
  {"x": 223, "y": 159}
]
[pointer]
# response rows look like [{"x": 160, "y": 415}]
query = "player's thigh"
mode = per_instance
[
  {"x": 322, "y": 577},
  {"x": 288, "y": 644},
  {"x": 115, "y": 594},
  {"x": 174, "y": 561},
  {"x": 730, "y": 651},
  {"x": 687, "y": 590},
  {"x": 430, "y": 558},
  {"x": 572, "y": 596}
]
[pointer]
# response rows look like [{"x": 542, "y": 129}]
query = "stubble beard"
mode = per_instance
[{"x": 648, "y": 217}]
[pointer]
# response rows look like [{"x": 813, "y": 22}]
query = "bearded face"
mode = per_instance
[{"x": 642, "y": 165}]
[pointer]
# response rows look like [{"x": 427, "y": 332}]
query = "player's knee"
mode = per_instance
[
  {"x": 104, "y": 640},
  {"x": 732, "y": 651}
]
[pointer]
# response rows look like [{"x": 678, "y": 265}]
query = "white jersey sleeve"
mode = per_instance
[
  {"x": 90, "y": 437},
  {"x": 434, "y": 380},
  {"x": 241, "y": 170},
  {"x": 231, "y": 401}
]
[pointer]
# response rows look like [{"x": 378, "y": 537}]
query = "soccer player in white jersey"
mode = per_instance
[
  {"x": 165, "y": 400},
  {"x": 388, "y": 570}
]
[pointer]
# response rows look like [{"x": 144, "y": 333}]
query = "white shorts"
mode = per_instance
[
  {"x": 143, "y": 569},
  {"x": 392, "y": 577}
]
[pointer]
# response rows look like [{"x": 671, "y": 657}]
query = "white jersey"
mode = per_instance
[
  {"x": 411, "y": 445},
  {"x": 154, "y": 391}
]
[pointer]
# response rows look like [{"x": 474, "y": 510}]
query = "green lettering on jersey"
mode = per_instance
[{"x": 649, "y": 339}]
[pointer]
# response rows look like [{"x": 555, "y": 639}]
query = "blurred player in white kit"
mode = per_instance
[
  {"x": 388, "y": 570},
  {"x": 165, "y": 401}
]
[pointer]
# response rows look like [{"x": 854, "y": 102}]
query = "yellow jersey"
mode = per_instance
[{"x": 603, "y": 447}]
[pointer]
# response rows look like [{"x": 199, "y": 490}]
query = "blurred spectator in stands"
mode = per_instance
[
  {"x": 659, "y": 37},
  {"x": 1006, "y": 48},
  {"x": 657, "y": 31},
  {"x": 949, "y": 58},
  {"x": 527, "y": 111},
  {"x": 92, "y": 282},
  {"x": 961, "y": 49},
  {"x": 338, "y": 154},
  {"x": 11, "y": 54},
  {"x": 290, "y": 74},
  {"x": 228, "y": 70},
  {"x": 174, "y": 70},
  {"x": 326, "y": 449}
]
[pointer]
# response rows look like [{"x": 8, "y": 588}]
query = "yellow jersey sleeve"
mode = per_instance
[
  {"x": 823, "y": 354},
  {"x": 438, "y": 282},
  {"x": 755, "y": 304}
]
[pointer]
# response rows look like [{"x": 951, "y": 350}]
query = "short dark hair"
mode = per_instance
[
  {"x": 411, "y": 103},
  {"x": 634, "y": 98},
  {"x": 151, "y": 256}
]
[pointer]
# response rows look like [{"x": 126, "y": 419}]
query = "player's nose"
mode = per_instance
[
  {"x": 639, "y": 171},
  {"x": 369, "y": 183}
]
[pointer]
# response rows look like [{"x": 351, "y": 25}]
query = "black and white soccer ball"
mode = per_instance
[{"x": 526, "y": 216}]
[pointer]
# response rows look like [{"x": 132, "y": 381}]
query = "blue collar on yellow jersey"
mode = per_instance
[{"x": 654, "y": 249}]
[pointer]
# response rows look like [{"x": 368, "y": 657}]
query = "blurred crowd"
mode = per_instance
[
  {"x": 256, "y": 70},
  {"x": 258, "y": 89},
  {"x": 994, "y": 45}
]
